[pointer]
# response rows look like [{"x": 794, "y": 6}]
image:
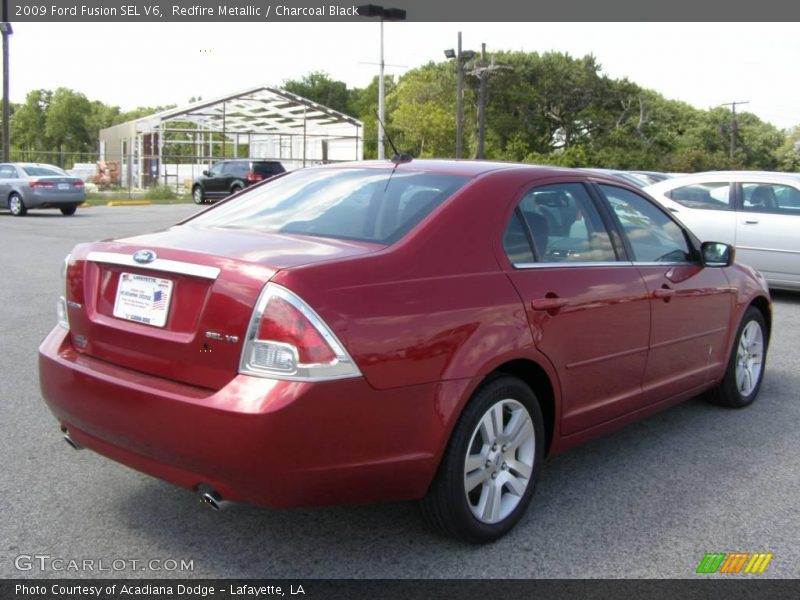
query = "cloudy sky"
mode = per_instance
[{"x": 147, "y": 64}]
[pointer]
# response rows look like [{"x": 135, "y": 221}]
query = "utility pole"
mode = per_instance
[
  {"x": 461, "y": 57},
  {"x": 483, "y": 70},
  {"x": 459, "y": 99},
  {"x": 733, "y": 122}
]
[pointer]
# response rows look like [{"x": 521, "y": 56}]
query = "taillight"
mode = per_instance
[
  {"x": 251, "y": 176},
  {"x": 42, "y": 184},
  {"x": 286, "y": 339},
  {"x": 61, "y": 305},
  {"x": 77, "y": 184}
]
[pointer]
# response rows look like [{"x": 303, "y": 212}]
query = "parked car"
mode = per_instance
[
  {"x": 230, "y": 176},
  {"x": 378, "y": 331},
  {"x": 34, "y": 185},
  {"x": 638, "y": 179},
  {"x": 759, "y": 212}
]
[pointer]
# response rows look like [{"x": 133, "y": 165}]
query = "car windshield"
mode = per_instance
[
  {"x": 39, "y": 171},
  {"x": 357, "y": 204}
]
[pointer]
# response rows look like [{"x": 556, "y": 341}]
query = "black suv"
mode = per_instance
[{"x": 230, "y": 176}]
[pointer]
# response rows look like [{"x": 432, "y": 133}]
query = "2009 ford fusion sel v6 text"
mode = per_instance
[{"x": 397, "y": 330}]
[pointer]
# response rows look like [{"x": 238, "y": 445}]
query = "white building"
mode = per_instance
[{"x": 176, "y": 145}]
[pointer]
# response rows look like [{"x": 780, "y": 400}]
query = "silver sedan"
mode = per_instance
[
  {"x": 758, "y": 212},
  {"x": 33, "y": 185}
]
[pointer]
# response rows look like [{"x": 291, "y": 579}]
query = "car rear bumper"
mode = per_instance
[
  {"x": 53, "y": 199},
  {"x": 261, "y": 441}
]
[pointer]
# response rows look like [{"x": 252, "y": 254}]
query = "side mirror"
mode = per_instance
[
  {"x": 206, "y": 173},
  {"x": 717, "y": 254}
]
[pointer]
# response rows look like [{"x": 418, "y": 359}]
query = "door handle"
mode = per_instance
[
  {"x": 751, "y": 222},
  {"x": 549, "y": 303},
  {"x": 664, "y": 293}
]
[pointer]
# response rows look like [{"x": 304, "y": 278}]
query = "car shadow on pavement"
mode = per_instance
[{"x": 646, "y": 489}]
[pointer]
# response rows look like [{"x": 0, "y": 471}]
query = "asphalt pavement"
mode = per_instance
[{"x": 645, "y": 502}]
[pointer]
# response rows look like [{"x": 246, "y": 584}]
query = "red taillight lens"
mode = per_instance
[
  {"x": 42, "y": 184},
  {"x": 254, "y": 177},
  {"x": 78, "y": 184},
  {"x": 283, "y": 323},
  {"x": 286, "y": 339}
]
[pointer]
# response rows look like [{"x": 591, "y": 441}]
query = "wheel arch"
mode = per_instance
[
  {"x": 538, "y": 380},
  {"x": 764, "y": 307}
]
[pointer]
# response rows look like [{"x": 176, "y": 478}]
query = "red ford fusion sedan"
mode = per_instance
[{"x": 397, "y": 330}]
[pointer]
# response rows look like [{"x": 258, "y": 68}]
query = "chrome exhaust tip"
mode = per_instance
[
  {"x": 73, "y": 444},
  {"x": 212, "y": 499}
]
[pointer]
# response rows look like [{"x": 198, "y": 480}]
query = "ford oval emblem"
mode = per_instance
[{"x": 144, "y": 256}]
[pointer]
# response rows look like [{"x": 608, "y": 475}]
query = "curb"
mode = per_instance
[{"x": 128, "y": 203}]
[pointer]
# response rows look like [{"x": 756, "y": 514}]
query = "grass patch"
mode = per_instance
[{"x": 157, "y": 195}]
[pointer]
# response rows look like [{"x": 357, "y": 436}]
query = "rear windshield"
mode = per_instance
[
  {"x": 357, "y": 204},
  {"x": 266, "y": 168},
  {"x": 43, "y": 171}
]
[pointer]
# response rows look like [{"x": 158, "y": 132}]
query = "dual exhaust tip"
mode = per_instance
[
  {"x": 72, "y": 443},
  {"x": 212, "y": 499},
  {"x": 208, "y": 496}
]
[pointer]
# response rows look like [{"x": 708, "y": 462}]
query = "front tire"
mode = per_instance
[
  {"x": 197, "y": 195},
  {"x": 489, "y": 470},
  {"x": 17, "y": 206},
  {"x": 742, "y": 380}
]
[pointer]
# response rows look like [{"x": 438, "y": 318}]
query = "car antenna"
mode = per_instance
[{"x": 397, "y": 157}]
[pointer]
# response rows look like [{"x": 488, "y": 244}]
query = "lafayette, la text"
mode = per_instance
[{"x": 251, "y": 591}]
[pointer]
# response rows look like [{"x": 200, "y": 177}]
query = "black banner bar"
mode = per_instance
[
  {"x": 416, "y": 10},
  {"x": 734, "y": 588}
]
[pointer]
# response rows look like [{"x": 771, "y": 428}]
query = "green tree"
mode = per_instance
[
  {"x": 66, "y": 121},
  {"x": 319, "y": 87},
  {"x": 421, "y": 110},
  {"x": 788, "y": 155},
  {"x": 28, "y": 124}
]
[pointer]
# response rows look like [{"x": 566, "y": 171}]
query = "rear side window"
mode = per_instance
[
  {"x": 707, "y": 196},
  {"x": 359, "y": 204},
  {"x": 268, "y": 169},
  {"x": 563, "y": 224},
  {"x": 770, "y": 198},
  {"x": 652, "y": 235},
  {"x": 235, "y": 168},
  {"x": 43, "y": 171}
]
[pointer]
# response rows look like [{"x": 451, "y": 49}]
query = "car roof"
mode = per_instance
[
  {"x": 714, "y": 176},
  {"x": 467, "y": 168}
]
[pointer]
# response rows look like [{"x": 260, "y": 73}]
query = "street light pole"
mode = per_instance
[
  {"x": 385, "y": 14},
  {"x": 381, "y": 95}
]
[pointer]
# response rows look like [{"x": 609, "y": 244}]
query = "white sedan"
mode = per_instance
[{"x": 758, "y": 212}]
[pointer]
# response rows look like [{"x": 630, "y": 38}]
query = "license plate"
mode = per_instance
[
  {"x": 143, "y": 299},
  {"x": 63, "y": 186}
]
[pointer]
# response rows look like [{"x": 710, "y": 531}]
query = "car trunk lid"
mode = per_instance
[{"x": 177, "y": 303}]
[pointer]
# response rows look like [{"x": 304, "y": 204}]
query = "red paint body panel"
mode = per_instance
[
  {"x": 425, "y": 320},
  {"x": 251, "y": 440}
]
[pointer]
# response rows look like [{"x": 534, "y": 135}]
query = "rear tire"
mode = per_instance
[
  {"x": 16, "y": 205},
  {"x": 742, "y": 380},
  {"x": 68, "y": 210},
  {"x": 489, "y": 470},
  {"x": 236, "y": 189}
]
